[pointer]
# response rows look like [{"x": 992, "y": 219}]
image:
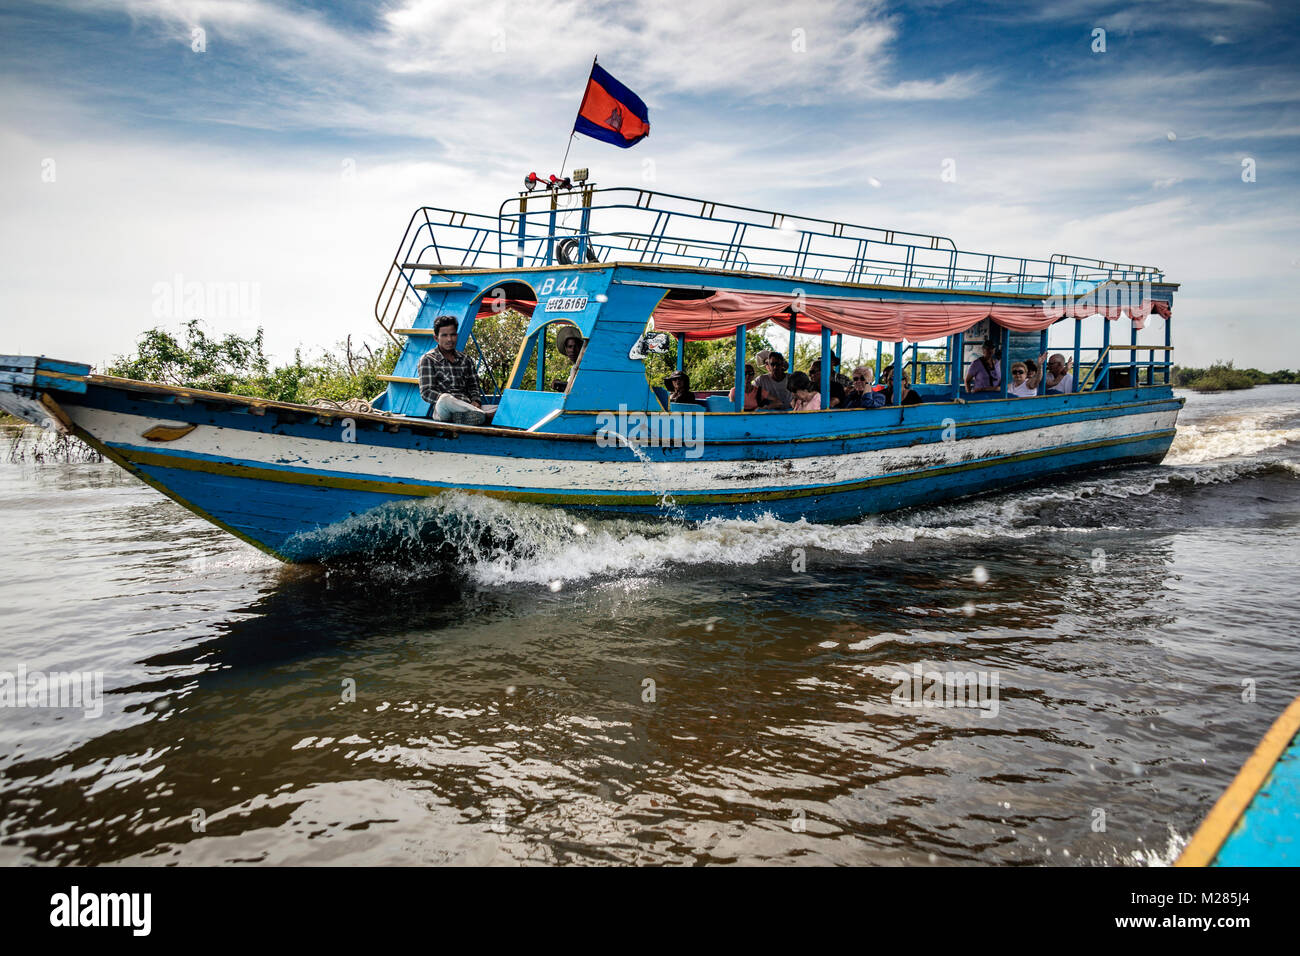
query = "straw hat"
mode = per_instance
[{"x": 563, "y": 336}]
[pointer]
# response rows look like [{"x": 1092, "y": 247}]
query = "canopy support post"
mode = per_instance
[
  {"x": 957, "y": 345},
  {"x": 1003, "y": 364},
  {"x": 1042, "y": 373},
  {"x": 1104, "y": 374},
  {"x": 541, "y": 359},
  {"x": 1133, "y": 354},
  {"x": 739, "y": 404},
  {"x": 1169, "y": 342},
  {"x": 550, "y": 234},
  {"x": 1074, "y": 369},
  {"x": 825, "y": 386},
  {"x": 896, "y": 386},
  {"x": 681, "y": 351},
  {"x": 789, "y": 359},
  {"x": 523, "y": 215}
]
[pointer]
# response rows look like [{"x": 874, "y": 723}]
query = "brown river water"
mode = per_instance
[{"x": 587, "y": 691}]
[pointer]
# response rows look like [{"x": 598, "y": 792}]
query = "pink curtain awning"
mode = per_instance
[{"x": 720, "y": 314}]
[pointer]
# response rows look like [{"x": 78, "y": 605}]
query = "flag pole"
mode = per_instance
[{"x": 573, "y": 133}]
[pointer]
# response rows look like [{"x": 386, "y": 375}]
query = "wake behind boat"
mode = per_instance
[{"x": 622, "y": 267}]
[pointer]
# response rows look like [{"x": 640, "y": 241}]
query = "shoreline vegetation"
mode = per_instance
[
  {"x": 1223, "y": 377},
  {"x": 231, "y": 364},
  {"x": 239, "y": 366}
]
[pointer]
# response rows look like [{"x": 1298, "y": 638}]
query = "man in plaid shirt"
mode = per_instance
[{"x": 448, "y": 380}]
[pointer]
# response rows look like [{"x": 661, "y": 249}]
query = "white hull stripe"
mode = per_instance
[{"x": 297, "y": 455}]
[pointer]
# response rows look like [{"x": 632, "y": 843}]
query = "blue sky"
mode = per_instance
[{"x": 287, "y": 155}]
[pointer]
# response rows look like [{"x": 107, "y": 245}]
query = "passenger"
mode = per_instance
[
  {"x": 836, "y": 374},
  {"x": 449, "y": 381},
  {"x": 838, "y": 393},
  {"x": 1032, "y": 374},
  {"x": 862, "y": 395},
  {"x": 985, "y": 373},
  {"x": 1020, "y": 386},
  {"x": 751, "y": 391},
  {"x": 568, "y": 341},
  {"x": 774, "y": 387},
  {"x": 679, "y": 390},
  {"x": 1059, "y": 379},
  {"x": 910, "y": 396},
  {"x": 801, "y": 389}
]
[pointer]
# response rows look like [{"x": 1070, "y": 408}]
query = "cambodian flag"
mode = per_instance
[{"x": 610, "y": 112}]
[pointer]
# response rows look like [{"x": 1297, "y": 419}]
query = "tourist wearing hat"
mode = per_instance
[
  {"x": 679, "y": 389},
  {"x": 836, "y": 374},
  {"x": 568, "y": 342},
  {"x": 985, "y": 373}
]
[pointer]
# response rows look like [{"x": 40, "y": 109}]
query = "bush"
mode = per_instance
[
  {"x": 1219, "y": 377},
  {"x": 239, "y": 366}
]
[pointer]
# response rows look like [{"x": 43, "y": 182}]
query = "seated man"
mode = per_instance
[
  {"x": 448, "y": 380},
  {"x": 985, "y": 373},
  {"x": 838, "y": 393},
  {"x": 1059, "y": 379},
  {"x": 773, "y": 388},
  {"x": 679, "y": 390}
]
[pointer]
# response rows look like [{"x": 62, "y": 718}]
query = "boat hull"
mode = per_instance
[{"x": 303, "y": 484}]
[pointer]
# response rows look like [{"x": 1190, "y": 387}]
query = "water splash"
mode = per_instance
[
  {"x": 495, "y": 543},
  {"x": 666, "y": 501}
]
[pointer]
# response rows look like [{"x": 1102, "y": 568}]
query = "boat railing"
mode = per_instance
[
  {"x": 434, "y": 236},
  {"x": 1111, "y": 365},
  {"x": 647, "y": 227}
]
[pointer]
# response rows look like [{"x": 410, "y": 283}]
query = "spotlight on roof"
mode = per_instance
[{"x": 581, "y": 175}]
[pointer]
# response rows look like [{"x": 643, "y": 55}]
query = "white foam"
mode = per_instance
[
  {"x": 1233, "y": 436},
  {"x": 498, "y": 543}
]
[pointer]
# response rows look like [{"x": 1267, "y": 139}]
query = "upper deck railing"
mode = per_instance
[{"x": 650, "y": 228}]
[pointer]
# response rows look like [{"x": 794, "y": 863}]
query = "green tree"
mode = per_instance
[
  {"x": 239, "y": 366},
  {"x": 710, "y": 364},
  {"x": 199, "y": 361}
]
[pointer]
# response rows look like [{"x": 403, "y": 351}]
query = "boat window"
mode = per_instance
[{"x": 557, "y": 368}]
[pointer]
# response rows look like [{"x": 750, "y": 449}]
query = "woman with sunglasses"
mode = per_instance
[
  {"x": 1020, "y": 386},
  {"x": 861, "y": 394}
]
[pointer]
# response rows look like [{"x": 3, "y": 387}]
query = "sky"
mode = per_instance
[{"x": 278, "y": 148}]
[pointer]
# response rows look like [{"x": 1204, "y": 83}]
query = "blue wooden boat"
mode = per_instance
[
  {"x": 303, "y": 483},
  {"x": 1256, "y": 822}
]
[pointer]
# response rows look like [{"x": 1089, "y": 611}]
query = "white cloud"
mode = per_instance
[{"x": 1091, "y": 175}]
